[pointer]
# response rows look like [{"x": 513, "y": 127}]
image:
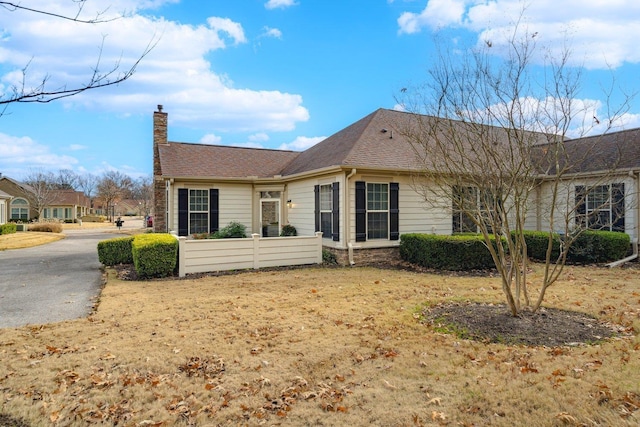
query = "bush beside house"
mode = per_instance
[
  {"x": 153, "y": 255},
  {"x": 8, "y": 228},
  {"x": 116, "y": 251}
]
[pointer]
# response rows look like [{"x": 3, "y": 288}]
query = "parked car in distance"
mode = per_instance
[{"x": 149, "y": 221}]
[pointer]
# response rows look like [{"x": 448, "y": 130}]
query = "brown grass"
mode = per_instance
[
  {"x": 47, "y": 227},
  {"x": 330, "y": 347},
  {"x": 28, "y": 239}
]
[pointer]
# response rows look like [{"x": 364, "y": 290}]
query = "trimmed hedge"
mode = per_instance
[
  {"x": 458, "y": 252},
  {"x": 599, "y": 246},
  {"x": 154, "y": 255},
  {"x": 591, "y": 247},
  {"x": 8, "y": 228},
  {"x": 116, "y": 251}
]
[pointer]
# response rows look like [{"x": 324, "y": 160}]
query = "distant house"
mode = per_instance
[
  {"x": 20, "y": 206},
  {"x": 4, "y": 202},
  {"x": 356, "y": 187},
  {"x": 65, "y": 205}
]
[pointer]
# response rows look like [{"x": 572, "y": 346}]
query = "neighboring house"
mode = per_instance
[
  {"x": 19, "y": 206},
  {"x": 67, "y": 205},
  {"x": 357, "y": 187},
  {"x": 4, "y": 202}
]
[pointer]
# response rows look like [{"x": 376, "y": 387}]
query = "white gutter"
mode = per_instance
[{"x": 348, "y": 216}]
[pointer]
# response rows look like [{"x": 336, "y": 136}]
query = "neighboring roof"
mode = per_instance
[
  {"x": 4, "y": 195},
  {"x": 199, "y": 160},
  {"x": 22, "y": 185},
  {"x": 69, "y": 197}
]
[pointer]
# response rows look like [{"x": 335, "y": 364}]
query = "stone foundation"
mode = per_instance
[{"x": 363, "y": 257}]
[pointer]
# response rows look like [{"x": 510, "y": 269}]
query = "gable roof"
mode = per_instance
[
  {"x": 4, "y": 195},
  {"x": 199, "y": 160},
  {"x": 372, "y": 142},
  {"x": 377, "y": 141},
  {"x": 69, "y": 198}
]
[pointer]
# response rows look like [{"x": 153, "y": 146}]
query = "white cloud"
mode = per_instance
[
  {"x": 176, "y": 73},
  {"x": 19, "y": 153},
  {"x": 301, "y": 143},
  {"x": 275, "y": 4},
  {"x": 210, "y": 139},
  {"x": 601, "y": 34},
  {"x": 437, "y": 13},
  {"x": 77, "y": 147},
  {"x": 259, "y": 137},
  {"x": 271, "y": 32}
]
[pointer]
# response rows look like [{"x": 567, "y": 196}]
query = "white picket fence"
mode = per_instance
[{"x": 209, "y": 255}]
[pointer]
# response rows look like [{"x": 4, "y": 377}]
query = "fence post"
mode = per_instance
[
  {"x": 182, "y": 249},
  {"x": 256, "y": 250},
  {"x": 319, "y": 243}
]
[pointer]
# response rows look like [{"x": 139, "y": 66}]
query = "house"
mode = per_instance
[
  {"x": 356, "y": 187},
  {"x": 19, "y": 205},
  {"x": 4, "y": 202},
  {"x": 67, "y": 205}
]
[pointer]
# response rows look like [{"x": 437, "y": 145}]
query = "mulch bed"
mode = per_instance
[{"x": 494, "y": 323}]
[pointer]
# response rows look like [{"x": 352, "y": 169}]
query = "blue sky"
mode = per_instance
[{"x": 280, "y": 74}]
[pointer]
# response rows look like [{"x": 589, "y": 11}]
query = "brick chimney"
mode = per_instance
[{"x": 159, "y": 186}]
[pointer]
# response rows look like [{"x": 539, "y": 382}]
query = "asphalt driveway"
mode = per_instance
[{"x": 53, "y": 282}]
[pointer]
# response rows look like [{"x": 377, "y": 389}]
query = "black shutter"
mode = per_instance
[
  {"x": 581, "y": 206},
  {"x": 214, "y": 210},
  {"x": 183, "y": 211},
  {"x": 617, "y": 207},
  {"x": 335, "y": 212},
  {"x": 316, "y": 210},
  {"x": 361, "y": 211},
  {"x": 394, "y": 211}
]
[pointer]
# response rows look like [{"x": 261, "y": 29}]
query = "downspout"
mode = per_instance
[
  {"x": 348, "y": 216},
  {"x": 637, "y": 220}
]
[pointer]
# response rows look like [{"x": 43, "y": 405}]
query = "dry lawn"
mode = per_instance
[
  {"x": 318, "y": 347},
  {"x": 27, "y": 239}
]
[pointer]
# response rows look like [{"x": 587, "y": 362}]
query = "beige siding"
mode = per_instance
[
  {"x": 235, "y": 203},
  {"x": 564, "y": 220},
  {"x": 301, "y": 214}
]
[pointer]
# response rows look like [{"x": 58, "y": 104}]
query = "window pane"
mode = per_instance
[
  {"x": 377, "y": 225},
  {"x": 377, "y": 197},
  {"x": 198, "y": 223},
  {"x": 325, "y": 197},
  {"x": 199, "y": 200},
  {"x": 325, "y": 224}
]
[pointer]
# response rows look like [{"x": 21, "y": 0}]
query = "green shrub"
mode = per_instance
[
  {"x": 154, "y": 255},
  {"x": 288, "y": 230},
  {"x": 460, "y": 252},
  {"x": 234, "y": 230},
  {"x": 329, "y": 257},
  {"x": 116, "y": 251},
  {"x": 599, "y": 246},
  {"x": 47, "y": 227},
  {"x": 8, "y": 228},
  {"x": 537, "y": 243}
]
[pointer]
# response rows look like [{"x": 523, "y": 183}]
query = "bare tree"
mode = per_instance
[
  {"x": 143, "y": 193},
  {"x": 88, "y": 183},
  {"x": 494, "y": 146},
  {"x": 41, "y": 189},
  {"x": 112, "y": 187},
  {"x": 98, "y": 77},
  {"x": 66, "y": 179}
]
